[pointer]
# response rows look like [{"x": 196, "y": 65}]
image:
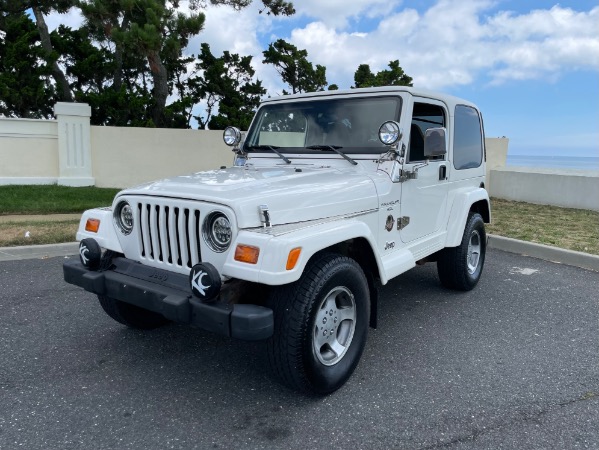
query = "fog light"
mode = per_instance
[
  {"x": 90, "y": 254},
  {"x": 389, "y": 132},
  {"x": 204, "y": 280},
  {"x": 232, "y": 136}
]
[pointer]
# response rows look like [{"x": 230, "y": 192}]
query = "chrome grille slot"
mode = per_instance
[{"x": 169, "y": 235}]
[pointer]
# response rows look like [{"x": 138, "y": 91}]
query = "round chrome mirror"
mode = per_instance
[
  {"x": 389, "y": 132},
  {"x": 232, "y": 136}
]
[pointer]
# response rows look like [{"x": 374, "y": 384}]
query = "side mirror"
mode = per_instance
[{"x": 434, "y": 142}]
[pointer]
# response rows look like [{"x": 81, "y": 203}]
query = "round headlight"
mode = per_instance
[
  {"x": 231, "y": 136},
  {"x": 217, "y": 231},
  {"x": 389, "y": 133},
  {"x": 123, "y": 216}
]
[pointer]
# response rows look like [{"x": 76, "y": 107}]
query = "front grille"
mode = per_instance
[{"x": 169, "y": 234}]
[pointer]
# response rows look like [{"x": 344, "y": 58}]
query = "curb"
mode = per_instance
[
  {"x": 540, "y": 251},
  {"x": 545, "y": 252},
  {"x": 38, "y": 251}
]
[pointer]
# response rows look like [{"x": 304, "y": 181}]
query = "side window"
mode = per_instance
[
  {"x": 424, "y": 116},
  {"x": 467, "y": 140}
]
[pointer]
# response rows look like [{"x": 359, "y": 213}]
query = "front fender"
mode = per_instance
[
  {"x": 274, "y": 250},
  {"x": 460, "y": 207},
  {"x": 106, "y": 235}
]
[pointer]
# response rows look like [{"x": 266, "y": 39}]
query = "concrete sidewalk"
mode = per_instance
[
  {"x": 544, "y": 252},
  {"x": 39, "y": 217},
  {"x": 38, "y": 251}
]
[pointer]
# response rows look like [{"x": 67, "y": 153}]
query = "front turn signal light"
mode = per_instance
[
  {"x": 247, "y": 254},
  {"x": 92, "y": 225},
  {"x": 293, "y": 257}
]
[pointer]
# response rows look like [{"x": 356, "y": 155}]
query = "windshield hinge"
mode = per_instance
[
  {"x": 413, "y": 174},
  {"x": 265, "y": 215},
  {"x": 407, "y": 175},
  {"x": 402, "y": 222}
]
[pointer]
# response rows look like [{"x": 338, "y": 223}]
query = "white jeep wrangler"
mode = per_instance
[{"x": 331, "y": 194}]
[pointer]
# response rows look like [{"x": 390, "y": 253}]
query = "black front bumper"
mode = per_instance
[{"x": 169, "y": 294}]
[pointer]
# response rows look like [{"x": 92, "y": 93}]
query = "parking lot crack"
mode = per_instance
[{"x": 519, "y": 417}]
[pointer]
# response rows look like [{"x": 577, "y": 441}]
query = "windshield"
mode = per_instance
[{"x": 350, "y": 124}]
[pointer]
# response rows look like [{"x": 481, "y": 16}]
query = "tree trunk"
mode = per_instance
[
  {"x": 118, "y": 70},
  {"x": 118, "y": 56},
  {"x": 160, "y": 91},
  {"x": 62, "y": 85}
]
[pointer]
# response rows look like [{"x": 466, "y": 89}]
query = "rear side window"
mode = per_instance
[{"x": 468, "y": 139}]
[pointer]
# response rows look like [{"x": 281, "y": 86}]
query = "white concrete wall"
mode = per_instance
[
  {"x": 28, "y": 151},
  {"x": 124, "y": 157},
  {"x": 496, "y": 155},
  {"x": 558, "y": 187},
  {"x": 74, "y": 150},
  {"x": 69, "y": 151}
]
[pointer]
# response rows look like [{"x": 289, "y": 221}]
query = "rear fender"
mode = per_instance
[{"x": 460, "y": 207}]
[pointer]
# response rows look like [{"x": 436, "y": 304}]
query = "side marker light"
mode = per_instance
[{"x": 294, "y": 255}]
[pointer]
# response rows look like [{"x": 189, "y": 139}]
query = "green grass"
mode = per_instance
[
  {"x": 39, "y": 232},
  {"x": 52, "y": 199},
  {"x": 572, "y": 229}
]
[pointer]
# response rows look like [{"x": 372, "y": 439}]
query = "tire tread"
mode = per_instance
[
  {"x": 289, "y": 302},
  {"x": 452, "y": 266}
]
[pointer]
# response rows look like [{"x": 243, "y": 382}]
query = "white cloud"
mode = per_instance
[
  {"x": 454, "y": 42},
  {"x": 337, "y": 13},
  {"x": 73, "y": 19},
  {"x": 545, "y": 42},
  {"x": 227, "y": 29}
]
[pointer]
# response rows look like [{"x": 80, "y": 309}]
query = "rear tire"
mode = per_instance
[
  {"x": 321, "y": 325},
  {"x": 131, "y": 315},
  {"x": 461, "y": 267}
]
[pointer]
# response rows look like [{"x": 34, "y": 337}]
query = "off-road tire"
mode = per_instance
[
  {"x": 460, "y": 267},
  {"x": 131, "y": 315},
  {"x": 332, "y": 290}
]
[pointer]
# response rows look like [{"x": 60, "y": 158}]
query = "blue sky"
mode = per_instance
[{"x": 531, "y": 66}]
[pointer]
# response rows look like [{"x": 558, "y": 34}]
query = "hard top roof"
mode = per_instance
[{"x": 450, "y": 100}]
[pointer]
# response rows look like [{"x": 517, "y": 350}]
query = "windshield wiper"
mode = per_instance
[
  {"x": 334, "y": 148},
  {"x": 272, "y": 148}
]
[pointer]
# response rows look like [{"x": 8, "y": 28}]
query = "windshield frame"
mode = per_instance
[{"x": 317, "y": 109}]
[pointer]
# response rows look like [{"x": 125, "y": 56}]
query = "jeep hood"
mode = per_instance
[{"x": 291, "y": 196}]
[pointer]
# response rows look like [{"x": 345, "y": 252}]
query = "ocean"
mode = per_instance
[{"x": 554, "y": 162}]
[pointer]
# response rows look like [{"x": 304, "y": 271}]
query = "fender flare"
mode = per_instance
[
  {"x": 274, "y": 250},
  {"x": 460, "y": 207},
  {"x": 106, "y": 235}
]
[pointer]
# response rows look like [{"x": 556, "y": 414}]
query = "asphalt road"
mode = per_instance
[{"x": 513, "y": 364}]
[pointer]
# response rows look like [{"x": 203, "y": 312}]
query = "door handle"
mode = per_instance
[{"x": 442, "y": 173}]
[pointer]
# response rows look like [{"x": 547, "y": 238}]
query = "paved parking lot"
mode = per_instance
[{"x": 513, "y": 364}]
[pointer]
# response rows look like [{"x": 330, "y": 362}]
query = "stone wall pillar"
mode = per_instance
[
  {"x": 74, "y": 144},
  {"x": 497, "y": 149}
]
